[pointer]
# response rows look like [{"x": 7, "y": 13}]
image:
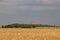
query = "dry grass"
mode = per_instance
[{"x": 29, "y": 34}]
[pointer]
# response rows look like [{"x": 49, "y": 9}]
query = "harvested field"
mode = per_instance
[{"x": 29, "y": 34}]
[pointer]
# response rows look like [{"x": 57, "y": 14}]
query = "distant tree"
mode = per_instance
[
  {"x": 33, "y": 25},
  {"x": 2, "y": 26}
]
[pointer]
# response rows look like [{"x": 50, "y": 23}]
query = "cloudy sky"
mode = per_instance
[{"x": 26, "y": 11}]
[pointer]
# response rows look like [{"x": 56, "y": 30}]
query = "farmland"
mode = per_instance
[{"x": 29, "y": 34}]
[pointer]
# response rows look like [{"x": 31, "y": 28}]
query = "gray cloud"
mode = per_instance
[
  {"x": 25, "y": 11},
  {"x": 10, "y": 6}
]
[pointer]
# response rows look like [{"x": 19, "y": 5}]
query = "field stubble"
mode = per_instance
[{"x": 29, "y": 34}]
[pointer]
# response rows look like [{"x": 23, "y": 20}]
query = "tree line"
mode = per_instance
[{"x": 17, "y": 25}]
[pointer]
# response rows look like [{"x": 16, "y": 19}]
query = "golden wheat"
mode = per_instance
[{"x": 29, "y": 34}]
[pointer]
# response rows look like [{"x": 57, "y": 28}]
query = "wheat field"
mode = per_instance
[{"x": 29, "y": 34}]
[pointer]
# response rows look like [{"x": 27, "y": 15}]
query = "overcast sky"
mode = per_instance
[{"x": 26, "y": 11}]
